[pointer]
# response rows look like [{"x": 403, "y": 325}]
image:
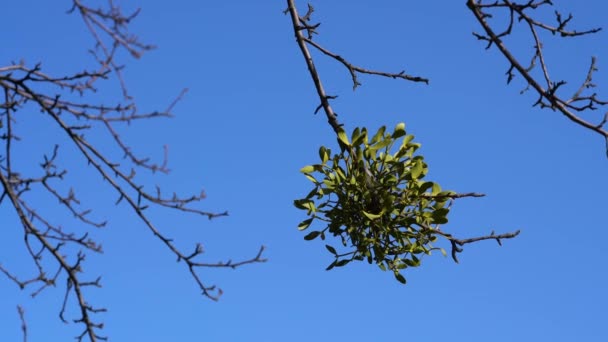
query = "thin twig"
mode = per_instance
[{"x": 21, "y": 312}]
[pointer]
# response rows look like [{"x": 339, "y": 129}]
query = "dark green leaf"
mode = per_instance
[
  {"x": 300, "y": 203},
  {"x": 331, "y": 249},
  {"x": 412, "y": 263},
  {"x": 312, "y": 235},
  {"x": 304, "y": 224},
  {"x": 440, "y": 215},
  {"x": 400, "y": 278},
  {"x": 425, "y": 186},
  {"x": 342, "y": 262}
]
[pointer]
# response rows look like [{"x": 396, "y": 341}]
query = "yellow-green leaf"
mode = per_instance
[
  {"x": 378, "y": 135},
  {"x": 311, "y": 178},
  {"x": 307, "y": 169},
  {"x": 436, "y": 189},
  {"x": 417, "y": 170},
  {"x": 371, "y": 216},
  {"x": 323, "y": 154},
  {"x": 343, "y": 138}
]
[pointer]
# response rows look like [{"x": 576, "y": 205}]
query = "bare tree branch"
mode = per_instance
[
  {"x": 571, "y": 107},
  {"x": 458, "y": 243}
]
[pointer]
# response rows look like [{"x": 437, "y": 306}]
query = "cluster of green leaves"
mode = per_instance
[{"x": 375, "y": 201}]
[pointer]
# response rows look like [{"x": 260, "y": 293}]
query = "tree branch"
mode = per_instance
[{"x": 548, "y": 97}]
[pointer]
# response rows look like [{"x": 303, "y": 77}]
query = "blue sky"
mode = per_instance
[{"x": 247, "y": 126}]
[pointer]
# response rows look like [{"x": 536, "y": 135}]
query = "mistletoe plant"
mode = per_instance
[{"x": 376, "y": 201}]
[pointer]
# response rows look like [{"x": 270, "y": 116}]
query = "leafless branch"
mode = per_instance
[
  {"x": 572, "y": 107},
  {"x": 304, "y": 24},
  {"x": 458, "y": 243},
  {"x": 454, "y": 195}
]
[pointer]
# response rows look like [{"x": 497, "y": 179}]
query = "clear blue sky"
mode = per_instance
[{"x": 247, "y": 126}]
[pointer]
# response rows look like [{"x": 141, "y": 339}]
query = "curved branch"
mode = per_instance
[{"x": 549, "y": 93}]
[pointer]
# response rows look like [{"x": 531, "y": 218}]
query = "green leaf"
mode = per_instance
[
  {"x": 312, "y": 235},
  {"x": 400, "y": 278},
  {"x": 407, "y": 140},
  {"x": 311, "y": 207},
  {"x": 356, "y": 134},
  {"x": 441, "y": 212},
  {"x": 360, "y": 138},
  {"x": 340, "y": 173},
  {"x": 440, "y": 215},
  {"x": 399, "y": 130},
  {"x": 324, "y": 154},
  {"x": 436, "y": 189},
  {"x": 412, "y": 263},
  {"x": 331, "y": 249},
  {"x": 378, "y": 135},
  {"x": 305, "y": 204},
  {"x": 388, "y": 159},
  {"x": 329, "y": 184},
  {"x": 307, "y": 169},
  {"x": 417, "y": 170},
  {"x": 300, "y": 203},
  {"x": 331, "y": 265},
  {"x": 311, "y": 178},
  {"x": 304, "y": 224},
  {"x": 343, "y": 138},
  {"x": 342, "y": 262},
  {"x": 382, "y": 144},
  {"x": 311, "y": 194},
  {"x": 417, "y": 250},
  {"x": 371, "y": 216},
  {"x": 425, "y": 186},
  {"x": 414, "y": 146}
]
